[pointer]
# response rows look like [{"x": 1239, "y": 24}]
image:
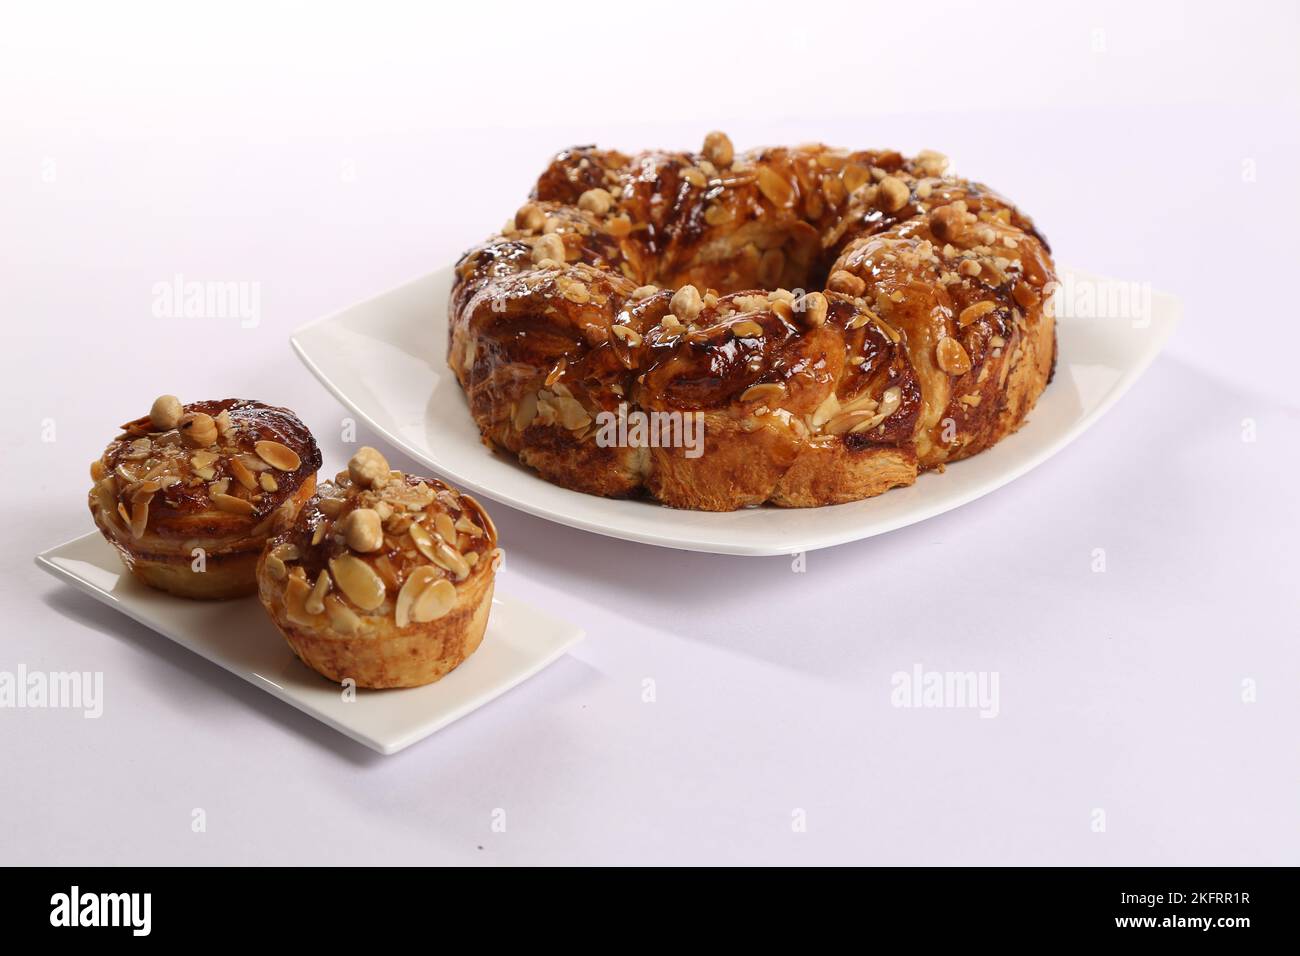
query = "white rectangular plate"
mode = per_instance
[
  {"x": 385, "y": 360},
  {"x": 239, "y": 636}
]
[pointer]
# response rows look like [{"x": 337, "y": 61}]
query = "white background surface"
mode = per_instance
[{"x": 329, "y": 154}]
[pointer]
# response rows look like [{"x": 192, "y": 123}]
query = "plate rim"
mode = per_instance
[
  {"x": 386, "y": 746},
  {"x": 760, "y": 547}
]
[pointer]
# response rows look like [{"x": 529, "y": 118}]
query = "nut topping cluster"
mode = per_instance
[
  {"x": 176, "y": 462},
  {"x": 376, "y": 541}
]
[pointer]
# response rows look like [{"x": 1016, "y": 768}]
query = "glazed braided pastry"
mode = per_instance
[{"x": 835, "y": 321}]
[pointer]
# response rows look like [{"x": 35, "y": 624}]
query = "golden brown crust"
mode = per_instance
[
  {"x": 675, "y": 283},
  {"x": 385, "y": 579},
  {"x": 190, "y": 511}
]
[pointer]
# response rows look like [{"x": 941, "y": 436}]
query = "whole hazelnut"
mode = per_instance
[
  {"x": 166, "y": 412},
  {"x": 368, "y": 467},
  {"x": 718, "y": 149},
  {"x": 363, "y": 530}
]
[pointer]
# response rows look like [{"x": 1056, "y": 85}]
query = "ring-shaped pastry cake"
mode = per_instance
[{"x": 835, "y": 321}]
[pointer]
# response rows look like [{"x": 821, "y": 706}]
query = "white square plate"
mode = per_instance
[
  {"x": 239, "y": 636},
  {"x": 385, "y": 360}
]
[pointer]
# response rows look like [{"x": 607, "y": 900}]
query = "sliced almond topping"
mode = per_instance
[
  {"x": 628, "y": 334},
  {"x": 268, "y": 482},
  {"x": 775, "y": 186},
  {"x": 424, "y": 542},
  {"x": 556, "y": 372},
  {"x": 951, "y": 357},
  {"x": 288, "y": 551},
  {"x": 571, "y": 413},
  {"x": 387, "y": 573},
  {"x": 416, "y": 582},
  {"x": 445, "y": 556},
  {"x": 145, "y": 489},
  {"x": 445, "y": 527},
  {"x": 889, "y": 403},
  {"x": 434, "y": 601},
  {"x": 275, "y": 567},
  {"x": 525, "y": 411},
  {"x": 140, "y": 516},
  {"x": 139, "y": 450},
  {"x": 358, "y": 581},
  {"x": 973, "y": 313},
  {"x": 828, "y": 409},
  {"x": 847, "y": 420},
  {"x": 241, "y": 473},
  {"x": 767, "y": 392},
  {"x": 466, "y": 526},
  {"x": 231, "y": 504},
  {"x": 277, "y": 455},
  {"x": 342, "y": 618},
  {"x": 296, "y": 593},
  {"x": 315, "y": 603},
  {"x": 488, "y": 524},
  {"x": 891, "y": 333},
  {"x": 863, "y": 317}
]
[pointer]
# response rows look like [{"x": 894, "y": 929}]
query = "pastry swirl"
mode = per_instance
[{"x": 680, "y": 283}]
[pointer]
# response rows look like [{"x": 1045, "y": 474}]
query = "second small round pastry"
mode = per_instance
[
  {"x": 384, "y": 578},
  {"x": 188, "y": 494}
]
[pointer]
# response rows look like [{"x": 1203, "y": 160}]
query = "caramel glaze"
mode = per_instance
[
  {"x": 316, "y": 537},
  {"x": 184, "y": 510},
  {"x": 919, "y": 248}
]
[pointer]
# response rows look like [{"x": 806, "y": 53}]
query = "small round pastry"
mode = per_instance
[
  {"x": 384, "y": 578},
  {"x": 189, "y": 494}
]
